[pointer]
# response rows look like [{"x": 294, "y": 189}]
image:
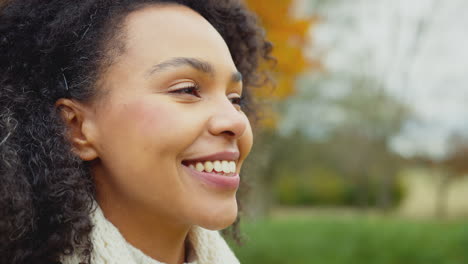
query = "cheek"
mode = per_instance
[
  {"x": 150, "y": 119},
  {"x": 157, "y": 125},
  {"x": 246, "y": 141}
]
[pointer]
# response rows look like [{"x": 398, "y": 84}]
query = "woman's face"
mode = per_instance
[{"x": 171, "y": 102}]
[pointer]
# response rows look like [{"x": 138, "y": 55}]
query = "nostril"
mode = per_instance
[{"x": 230, "y": 133}]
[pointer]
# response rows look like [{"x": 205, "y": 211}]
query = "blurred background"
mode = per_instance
[{"x": 360, "y": 155}]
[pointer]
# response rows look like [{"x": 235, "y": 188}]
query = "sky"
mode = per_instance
[{"x": 419, "y": 48}]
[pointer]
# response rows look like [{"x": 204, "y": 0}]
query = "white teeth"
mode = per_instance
[
  {"x": 199, "y": 167},
  {"x": 232, "y": 164},
  {"x": 226, "y": 167},
  {"x": 220, "y": 166},
  {"x": 208, "y": 166},
  {"x": 217, "y": 166}
]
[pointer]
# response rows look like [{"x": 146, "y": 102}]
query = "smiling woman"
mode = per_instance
[{"x": 123, "y": 128}]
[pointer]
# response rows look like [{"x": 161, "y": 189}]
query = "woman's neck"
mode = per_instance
[{"x": 155, "y": 235}]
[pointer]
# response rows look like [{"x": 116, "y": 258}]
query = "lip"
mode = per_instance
[
  {"x": 225, "y": 183},
  {"x": 225, "y": 155}
]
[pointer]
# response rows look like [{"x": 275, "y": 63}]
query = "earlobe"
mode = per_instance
[{"x": 79, "y": 128}]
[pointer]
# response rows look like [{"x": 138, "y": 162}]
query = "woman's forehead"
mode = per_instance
[
  {"x": 170, "y": 30},
  {"x": 161, "y": 37}
]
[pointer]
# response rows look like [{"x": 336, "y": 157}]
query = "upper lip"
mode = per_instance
[{"x": 225, "y": 155}]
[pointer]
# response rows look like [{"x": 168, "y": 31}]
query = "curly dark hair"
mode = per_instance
[{"x": 51, "y": 49}]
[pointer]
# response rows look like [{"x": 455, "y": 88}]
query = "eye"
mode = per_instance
[
  {"x": 237, "y": 100},
  {"x": 189, "y": 88}
]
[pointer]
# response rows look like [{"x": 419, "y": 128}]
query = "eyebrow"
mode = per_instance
[
  {"x": 195, "y": 63},
  {"x": 182, "y": 61}
]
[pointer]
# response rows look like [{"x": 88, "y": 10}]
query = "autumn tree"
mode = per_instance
[{"x": 289, "y": 36}]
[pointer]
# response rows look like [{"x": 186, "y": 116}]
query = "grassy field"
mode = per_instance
[{"x": 353, "y": 240}]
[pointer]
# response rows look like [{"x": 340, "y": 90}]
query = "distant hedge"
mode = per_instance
[{"x": 323, "y": 186}]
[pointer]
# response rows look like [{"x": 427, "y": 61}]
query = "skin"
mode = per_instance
[{"x": 138, "y": 133}]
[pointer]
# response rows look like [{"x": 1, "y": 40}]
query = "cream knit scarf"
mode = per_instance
[{"x": 110, "y": 247}]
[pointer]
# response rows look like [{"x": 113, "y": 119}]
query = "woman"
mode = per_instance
[{"x": 122, "y": 128}]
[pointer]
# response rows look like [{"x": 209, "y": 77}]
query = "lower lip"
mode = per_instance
[{"x": 216, "y": 180}]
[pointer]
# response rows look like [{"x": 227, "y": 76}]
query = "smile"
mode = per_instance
[
  {"x": 223, "y": 167},
  {"x": 218, "y": 170},
  {"x": 221, "y": 180}
]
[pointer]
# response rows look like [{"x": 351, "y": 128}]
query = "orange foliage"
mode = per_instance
[{"x": 289, "y": 37}]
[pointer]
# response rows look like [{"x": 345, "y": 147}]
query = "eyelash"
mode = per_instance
[
  {"x": 237, "y": 101},
  {"x": 194, "y": 89}
]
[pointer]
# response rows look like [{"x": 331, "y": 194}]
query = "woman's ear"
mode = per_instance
[{"x": 80, "y": 128}]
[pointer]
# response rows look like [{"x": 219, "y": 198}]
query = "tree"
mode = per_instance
[
  {"x": 357, "y": 125},
  {"x": 289, "y": 36}
]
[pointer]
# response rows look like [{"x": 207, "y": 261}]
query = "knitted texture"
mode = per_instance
[{"x": 110, "y": 247}]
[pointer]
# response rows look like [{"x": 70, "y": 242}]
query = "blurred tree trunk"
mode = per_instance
[
  {"x": 385, "y": 198},
  {"x": 442, "y": 195},
  {"x": 390, "y": 164},
  {"x": 258, "y": 171}
]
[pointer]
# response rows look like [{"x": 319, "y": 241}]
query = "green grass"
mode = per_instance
[{"x": 356, "y": 240}]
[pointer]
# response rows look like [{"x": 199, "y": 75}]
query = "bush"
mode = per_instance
[{"x": 323, "y": 186}]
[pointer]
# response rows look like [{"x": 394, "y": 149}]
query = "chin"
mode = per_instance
[{"x": 219, "y": 219}]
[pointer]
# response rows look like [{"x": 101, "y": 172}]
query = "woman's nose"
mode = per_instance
[{"x": 227, "y": 120}]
